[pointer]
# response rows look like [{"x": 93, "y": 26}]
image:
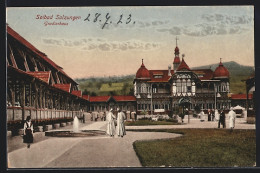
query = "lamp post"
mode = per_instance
[
  {"x": 215, "y": 106},
  {"x": 151, "y": 100}
]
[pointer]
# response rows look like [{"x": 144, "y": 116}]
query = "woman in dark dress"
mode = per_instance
[{"x": 28, "y": 132}]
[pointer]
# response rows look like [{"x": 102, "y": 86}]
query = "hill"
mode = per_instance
[
  {"x": 101, "y": 86},
  {"x": 237, "y": 73},
  {"x": 123, "y": 85}
]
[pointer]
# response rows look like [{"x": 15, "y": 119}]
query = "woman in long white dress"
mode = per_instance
[
  {"x": 110, "y": 118},
  {"x": 216, "y": 115},
  {"x": 231, "y": 117},
  {"x": 120, "y": 123}
]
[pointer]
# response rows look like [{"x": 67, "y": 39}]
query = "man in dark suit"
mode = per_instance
[{"x": 222, "y": 119}]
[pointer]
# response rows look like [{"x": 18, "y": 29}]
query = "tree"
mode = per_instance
[
  {"x": 98, "y": 84},
  {"x": 124, "y": 88},
  {"x": 131, "y": 92},
  {"x": 93, "y": 94},
  {"x": 112, "y": 93},
  {"x": 85, "y": 92}
]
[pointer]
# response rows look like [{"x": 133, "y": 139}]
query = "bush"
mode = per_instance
[
  {"x": 145, "y": 118},
  {"x": 172, "y": 120},
  {"x": 144, "y": 112}
]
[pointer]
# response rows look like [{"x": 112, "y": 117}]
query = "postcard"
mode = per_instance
[{"x": 130, "y": 86}]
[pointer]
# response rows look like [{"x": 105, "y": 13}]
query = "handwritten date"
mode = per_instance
[{"x": 106, "y": 19}]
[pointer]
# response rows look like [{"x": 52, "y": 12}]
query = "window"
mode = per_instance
[
  {"x": 139, "y": 107},
  {"x": 189, "y": 89},
  {"x": 178, "y": 84},
  {"x": 154, "y": 88},
  {"x": 157, "y": 76},
  {"x": 143, "y": 88}
]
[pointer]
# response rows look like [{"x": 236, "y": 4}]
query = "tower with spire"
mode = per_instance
[{"x": 176, "y": 61}]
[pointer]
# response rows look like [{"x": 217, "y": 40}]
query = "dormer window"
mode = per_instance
[{"x": 157, "y": 76}]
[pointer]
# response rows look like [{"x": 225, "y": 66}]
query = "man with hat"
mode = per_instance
[
  {"x": 222, "y": 119},
  {"x": 120, "y": 129}
]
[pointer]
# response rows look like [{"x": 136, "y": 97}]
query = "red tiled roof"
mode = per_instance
[
  {"x": 142, "y": 72},
  {"x": 206, "y": 74},
  {"x": 176, "y": 60},
  {"x": 241, "y": 96},
  {"x": 77, "y": 93},
  {"x": 35, "y": 50},
  {"x": 65, "y": 87},
  {"x": 43, "y": 75},
  {"x": 221, "y": 71},
  {"x": 124, "y": 98},
  {"x": 162, "y": 73},
  {"x": 183, "y": 65},
  {"x": 86, "y": 97},
  {"x": 99, "y": 98}
]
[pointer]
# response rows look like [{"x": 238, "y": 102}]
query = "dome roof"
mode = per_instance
[
  {"x": 176, "y": 49},
  {"x": 142, "y": 72},
  {"x": 221, "y": 71}
]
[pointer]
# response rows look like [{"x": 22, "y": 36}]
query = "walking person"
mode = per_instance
[
  {"x": 212, "y": 115},
  {"x": 231, "y": 117},
  {"x": 110, "y": 118},
  {"x": 209, "y": 115},
  {"x": 201, "y": 115},
  {"x": 28, "y": 131},
  {"x": 222, "y": 119},
  {"x": 216, "y": 115},
  {"x": 120, "y": 123}
]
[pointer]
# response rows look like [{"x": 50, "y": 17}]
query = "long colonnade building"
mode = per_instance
[
  {"x": 163, "y": 91},
  {"x": 38, "y": 87}
]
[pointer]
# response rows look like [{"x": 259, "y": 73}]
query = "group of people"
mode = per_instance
[
  {"x": 220, "y": 117},
  {"x": 115, "y": 125},
  {"x": 231, "y": 117}
]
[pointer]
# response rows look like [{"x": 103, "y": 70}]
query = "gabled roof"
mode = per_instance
[
  {"x": 204, "y": 74},
  {"x": 241, "y": 96},
  {"x": 77, "y": 93},
  {"x": 65, "y": 87},
  {"x": 86, "y": 97},
  {"x": 42, "y": 75},
  {"x": 99, "y": 98},
  {"x": 124, "y": 98},
  {"x": 162, "y": 73},
  {"x": 24, "y": 42},
  {"x": 183, "y": 66}
]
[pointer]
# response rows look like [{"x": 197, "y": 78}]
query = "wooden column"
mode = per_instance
[
  {"x": 30, "y": 94},
  {"x": 23, "y": 100}
]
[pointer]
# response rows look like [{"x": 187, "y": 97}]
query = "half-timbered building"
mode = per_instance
[{"x": 161, "y": 91}]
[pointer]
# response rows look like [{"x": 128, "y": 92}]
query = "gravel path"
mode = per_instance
[{"x": 98, "y": 151}]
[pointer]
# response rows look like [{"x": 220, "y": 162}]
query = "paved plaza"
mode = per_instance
[{"x": 96, "y": 151}]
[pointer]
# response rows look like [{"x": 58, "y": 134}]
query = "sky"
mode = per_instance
[{"x": 108, "y": 41}]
